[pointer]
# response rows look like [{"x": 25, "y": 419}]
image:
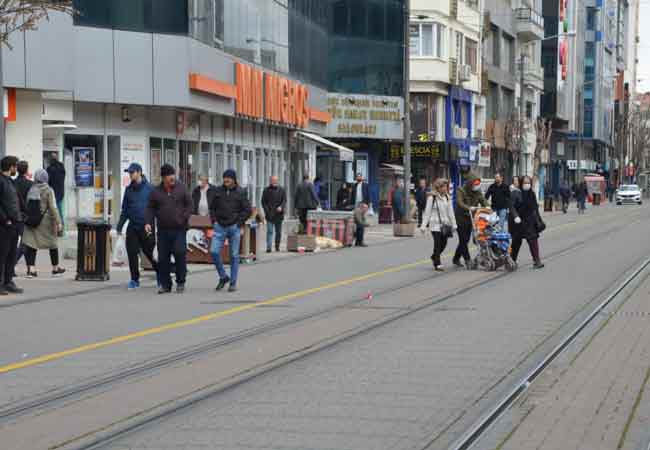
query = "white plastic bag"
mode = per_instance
[{"x": 120, "y": 257}]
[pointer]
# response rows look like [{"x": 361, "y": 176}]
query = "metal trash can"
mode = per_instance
[{"x": 93, "y": 250}]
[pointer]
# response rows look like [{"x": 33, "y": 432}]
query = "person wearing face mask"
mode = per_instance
[
  {"x": 468, "y": 197},
  {"x": 527, "y": 223}
]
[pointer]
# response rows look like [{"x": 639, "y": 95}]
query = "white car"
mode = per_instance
[{"x": 628, "y": 194}]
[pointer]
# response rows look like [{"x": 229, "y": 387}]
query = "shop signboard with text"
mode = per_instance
[
  {"x": 419, "y": 150},
  {"x": 365, "y": 116}
]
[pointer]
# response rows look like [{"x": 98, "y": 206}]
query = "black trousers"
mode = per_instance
[
  {"x": 533, "y": 246},
  {"x": 464, "y": 235},
  {"x": 358, "y": 234},
  {"x": 20, "y": 229},
  {"x": 136, "y": 241},
  {"x": 302, "y": 216},
  {"x": 30, "y": 256},
  {"x": 439, "y": 246},
  {"x": 172, "y": 242},
  {"x": 8, "y": 247}
]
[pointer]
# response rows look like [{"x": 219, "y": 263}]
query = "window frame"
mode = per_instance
[{"x": 437, "y": 44}]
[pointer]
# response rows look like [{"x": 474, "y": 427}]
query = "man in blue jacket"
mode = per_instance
[{"x": 136, "y": 198}]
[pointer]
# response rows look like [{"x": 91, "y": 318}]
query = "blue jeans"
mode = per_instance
[
  {"x": 503, "y": 219},
  {"x": 270, "y": 228},
  {"x": 59, "y": 206},
  {"x": 221, "y": 233}
]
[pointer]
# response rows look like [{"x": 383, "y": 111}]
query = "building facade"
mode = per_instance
[
  {"x": 204, "y": 85},
  {"x": 513, "y": 43},
  {"x": 447, "y": 108}
]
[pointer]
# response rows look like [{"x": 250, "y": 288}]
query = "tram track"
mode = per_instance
[{"x": 100, "y": 438}]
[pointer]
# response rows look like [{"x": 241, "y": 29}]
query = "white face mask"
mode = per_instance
[
  {"x": 526, "y": 187},
  {"x": 476, "y": 188}
]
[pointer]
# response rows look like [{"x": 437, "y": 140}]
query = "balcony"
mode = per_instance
[
  {"x": 534, "y": 76},
  {"x": 530, "y": 24}
]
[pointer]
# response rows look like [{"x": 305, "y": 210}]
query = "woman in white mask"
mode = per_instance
[
  {"x": 440, "y": 218},
  {"x": 527, "y": 223}
]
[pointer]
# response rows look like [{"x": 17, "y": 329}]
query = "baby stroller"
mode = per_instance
[{"x": 493, "y": 244}]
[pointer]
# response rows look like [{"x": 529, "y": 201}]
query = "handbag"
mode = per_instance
[
  {"x": 540, "y": 226},
  {"x": 446, "y": 230}
]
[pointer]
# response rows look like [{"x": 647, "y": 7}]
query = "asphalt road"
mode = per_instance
[{"x": 362, "y": 348}]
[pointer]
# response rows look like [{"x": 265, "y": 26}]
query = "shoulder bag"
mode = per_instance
[{"x": 446, "y": 229}]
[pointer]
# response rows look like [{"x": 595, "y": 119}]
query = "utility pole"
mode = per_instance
[
  {"x": 522, "y": 103},
  {"x": 3, "y": 137},
  {"x": 580, "y": 124},
  {"x": 407, "y": 109}
]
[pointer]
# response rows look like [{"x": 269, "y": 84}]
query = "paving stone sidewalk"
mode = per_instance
[{"x": 602, "y": 400}]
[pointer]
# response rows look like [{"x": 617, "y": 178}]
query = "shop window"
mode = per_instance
[{"x": 170, "y": 152}]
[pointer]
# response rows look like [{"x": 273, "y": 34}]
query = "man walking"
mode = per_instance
[
  {"x": 398, "y": 201},
  {"x": 361, "y": 192},
  {"x": 23, "y": 185},
  {"x": 170, "y": 206},
  {"x": 581, "y": 193},
  {"x": 10, "y": 217},
  {"x": 565, "y": 194},
  {"x": 229, "y": 210},
  {"x": 305, "y": 201},
  {"x": 421, "y": 198},
  {"x": 56, "y": 174},
  {"x": 361, "y": 222},
  {"x": 134, "y": 204},
  {"x": 274, "y": 201},
  {"x": 499, "y": 193}
]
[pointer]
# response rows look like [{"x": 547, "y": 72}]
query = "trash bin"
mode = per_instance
[
  {"x": 596, "y": 199},
  {"x": 548, "y": 204},
  {"x": 93, "y": 250}
]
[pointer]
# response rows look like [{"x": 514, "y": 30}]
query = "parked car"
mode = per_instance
[{"x": 628, "y": 194}]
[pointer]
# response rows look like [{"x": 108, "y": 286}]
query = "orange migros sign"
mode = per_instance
[{"x": 264, "y": 96}]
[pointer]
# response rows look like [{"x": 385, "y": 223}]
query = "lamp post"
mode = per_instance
[{"x": 407, "y": 109}]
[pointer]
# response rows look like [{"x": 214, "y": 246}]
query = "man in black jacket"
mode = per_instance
[
  {"x": 229, "y": 210},
  {"x": 10, "y": 217},
  {"x": 421, "y": 198},
  {"x": 56, "y": 180},
  {"x": 274, "y": 201},
  {"x": 23, "y": 185},
  {"x": 305, "y": 201},
  {"x": 499, "y": 193},
  {"x": 170, "y": 206}
]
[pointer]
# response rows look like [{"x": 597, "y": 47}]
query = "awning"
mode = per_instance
[
  {"x": 399, "y": 170},
  {"x": 345, "y": 154}
]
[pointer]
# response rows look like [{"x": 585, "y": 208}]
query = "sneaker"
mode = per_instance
[
  {"x": 133, "y": 285},
  {"x": 3, "y": 291},
  {"x": 13, "y": 289},
  {"x": 458, "y": 264},
  {"x": 232, "y": 288},
  {"x": 180, "y": 289},
  {"x": 31, "y": 275},
  {"x": 222, "y": 283},
  {"x": 268, "y": 250},
  {"x": 439, "y": 269},
  {"x": 164, "y": 290},
  {"x": 538, "y": 265},
  {"x": 58, "y": 271}
]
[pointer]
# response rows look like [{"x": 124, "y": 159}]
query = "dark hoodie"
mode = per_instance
[
  {"x": 230, "y": 206},
  {"x": 467, "y": 198},
  {"x": 134, "y": 204}
]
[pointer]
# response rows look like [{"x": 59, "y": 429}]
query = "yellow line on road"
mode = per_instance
[
  {"x": 216, "y": 315},
  {"x": 202, "y": 319}
]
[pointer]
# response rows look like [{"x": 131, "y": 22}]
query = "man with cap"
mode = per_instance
[
  {"x": 170, "y": 206},
  {"x": 229, "y": 210},
  {"x": 134, "y": 204}
]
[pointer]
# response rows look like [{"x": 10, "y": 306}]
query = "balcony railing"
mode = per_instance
[{"x": 529, "y": 15}]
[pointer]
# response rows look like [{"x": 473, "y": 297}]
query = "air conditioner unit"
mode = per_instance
[{"x": 464, "y": 73}]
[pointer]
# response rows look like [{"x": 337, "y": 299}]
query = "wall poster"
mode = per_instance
[{"x": 84, "y": 166}]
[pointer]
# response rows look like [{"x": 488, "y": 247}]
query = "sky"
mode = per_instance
[{"x": 644, "y": 47}]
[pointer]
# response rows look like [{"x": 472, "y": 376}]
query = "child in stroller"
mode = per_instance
[{"x": 493, "y": 244}]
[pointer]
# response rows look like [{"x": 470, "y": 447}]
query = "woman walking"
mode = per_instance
[
  {"x": 527, "y": 223},
  {"x": 439, "y": 217},
  {"x": 45, "y": 234},
  {"x": 467, "y": 198}
]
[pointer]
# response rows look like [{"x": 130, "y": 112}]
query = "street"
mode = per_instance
[{"x": 351, "y": 349}]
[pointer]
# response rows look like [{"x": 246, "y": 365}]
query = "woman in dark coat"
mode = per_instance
[{"x": 525, "y": 224}]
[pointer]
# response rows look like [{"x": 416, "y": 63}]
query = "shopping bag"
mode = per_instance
[{"x": 120, "y": 256}]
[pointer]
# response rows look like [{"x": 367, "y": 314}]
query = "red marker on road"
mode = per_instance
[{"x": 369, "y": 296}]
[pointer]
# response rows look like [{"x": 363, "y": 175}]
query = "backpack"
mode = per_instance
[{"x": 33, "y": 214}]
